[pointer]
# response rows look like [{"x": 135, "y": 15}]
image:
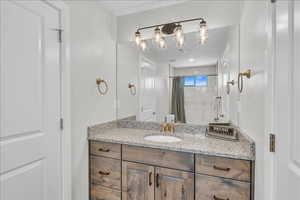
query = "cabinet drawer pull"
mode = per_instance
[
  {"x": 157, "y": 180},
  {"x": 103, "y": 150},
  {"x": 104, "y": 173},
  {"x": 221, "y": 168},
  {"x": 150, "y": 178},
  {"x": 217, "y": 198}
]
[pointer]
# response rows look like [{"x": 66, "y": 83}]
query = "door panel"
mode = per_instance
[
  {"x": 137, "y": 181},
  {"x": 15, "y": 184},
  {"x": 286, "y": 98},
  {"x": 148, "y": 92},
  {"x": 30, "y": 139},
  {"x": 173, "y": 185}
]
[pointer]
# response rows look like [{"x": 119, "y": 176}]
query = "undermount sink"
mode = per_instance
[{"x": 162, "y": 138}]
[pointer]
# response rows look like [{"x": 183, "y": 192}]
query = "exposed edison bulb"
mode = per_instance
[
  {"x": 157, "y": 34},
  {"x": 180, "y": 42},
  {"x": 179, "y": 33},
  {"x": 143, "y": 45},
  {"x": 138, "y": 38},
  {"x": 203, "y": 32},
  {"x": 162, "y": 43}
]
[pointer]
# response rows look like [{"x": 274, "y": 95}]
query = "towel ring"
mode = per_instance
[
  {"x": 99, "y": 81},
  {"x": 241, "y": 79},
  {"x": 228, "y": 86},
  {"x": 132, "y": 89}
]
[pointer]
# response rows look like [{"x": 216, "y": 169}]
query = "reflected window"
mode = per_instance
[{"x": 196, "y": 81}]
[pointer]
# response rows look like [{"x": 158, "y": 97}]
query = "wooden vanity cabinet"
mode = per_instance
[
  {"x": 105, "y": 171},
  {"x": 125, "y": 172},
  {"x": 137, "y": 181},
  {"x": 173, "y": 184}
]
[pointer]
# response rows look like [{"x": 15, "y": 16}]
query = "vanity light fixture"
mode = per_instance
[
  {"x": 162, "y": 43},
  {"x": 143, "y": 45},
  {"x": 203, "y": 32},
  {"x": 138, "y": 38},
  {"x": 173, "y": 28},
  {"x": 157, "y": 35}
]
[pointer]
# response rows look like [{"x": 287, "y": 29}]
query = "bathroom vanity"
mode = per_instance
[{"x": 123, "y": 165}]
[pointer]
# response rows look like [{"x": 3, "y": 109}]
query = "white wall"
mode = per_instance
[
  {"x": 218, "y": 13},
  {"x": 93, "y": 54},
  {"x": 254, "y": 49},
  {"x": 127, "y": 72}
]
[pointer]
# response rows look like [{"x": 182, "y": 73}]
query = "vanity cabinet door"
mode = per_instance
[
  {"x": 137, "y": 181},
  {"x": 173, "y": 184}
]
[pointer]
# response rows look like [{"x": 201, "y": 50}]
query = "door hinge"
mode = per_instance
[
  {"x": 272, "y": 142},
  {"x": 59, "y": 34},
  {"x": 61, "y": 124}
]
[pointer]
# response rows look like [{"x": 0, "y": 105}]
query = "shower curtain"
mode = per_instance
[{"x": 177, "y": 108}]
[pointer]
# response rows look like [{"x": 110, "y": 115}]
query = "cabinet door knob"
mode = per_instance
[
  {"x": 217, "y": 198},
  {"x": 104, "y": 150},
  {"x": 221, "y": 168},
  {"x": 104, "y": 173},
  {"x": 150, "y": 178}
]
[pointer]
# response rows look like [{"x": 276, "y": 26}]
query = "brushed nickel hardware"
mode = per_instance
[
  {"x": 221, "y": 168},
  {"x": 241, "y": 79},
  {"x": 157, "y": 180},
  {"x": 228, "y": 86},
  {"x": 217, "y": 198},
  {"x": 272, "y": 143},
  {"x": 104, "y": 150},
  {"x": 100, "y": 81},
  {"x": 104, "y": 173},
  {"x": 132, "y": 89},
  {"x": 150, "y": 178}
]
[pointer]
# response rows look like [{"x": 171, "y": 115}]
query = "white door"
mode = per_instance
[
  {"x": 287, "y": 100},
  {"x": 147, "y": 90},
  {"x": 30, "y": 141}
]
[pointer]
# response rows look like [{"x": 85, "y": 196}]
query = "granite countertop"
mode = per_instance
[{"x": 192, "y": 143}]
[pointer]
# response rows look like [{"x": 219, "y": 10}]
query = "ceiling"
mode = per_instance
[
  {"x": 193, "y": 53},
  {"x": 120, "y": 8}
]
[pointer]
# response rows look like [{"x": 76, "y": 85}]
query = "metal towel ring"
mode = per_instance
[
  {"x": 241, "y": 79},
  {"x": 132, "y": 89},
  {"x": 99, "y": 81},
  {"x": 228, "y": 86}
]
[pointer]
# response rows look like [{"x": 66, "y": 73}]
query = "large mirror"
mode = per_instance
[{"x": 194, "y": 84}]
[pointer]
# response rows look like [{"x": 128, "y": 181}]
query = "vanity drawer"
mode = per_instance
[
  {"x": 102, "y": 193},
  {"x": 105, "y": 172},
  {"x": 214, "y": 188},
  {"x": 105, "y": 149},
  {"x": 223, "y": 167},
  {"x": 158, "y": 157}
]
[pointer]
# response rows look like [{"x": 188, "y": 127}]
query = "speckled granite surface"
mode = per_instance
[{"x": 193, "y": 143}]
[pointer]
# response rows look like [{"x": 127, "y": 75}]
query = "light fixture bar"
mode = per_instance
[{"x": 176, "y": 22}]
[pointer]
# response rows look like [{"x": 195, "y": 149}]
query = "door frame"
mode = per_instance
[
  {"x": 63, "y": 10},
  {"x": 269, "y": 157}
]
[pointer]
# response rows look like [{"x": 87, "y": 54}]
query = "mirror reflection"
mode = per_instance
[{"x": 191, "y": 84}]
